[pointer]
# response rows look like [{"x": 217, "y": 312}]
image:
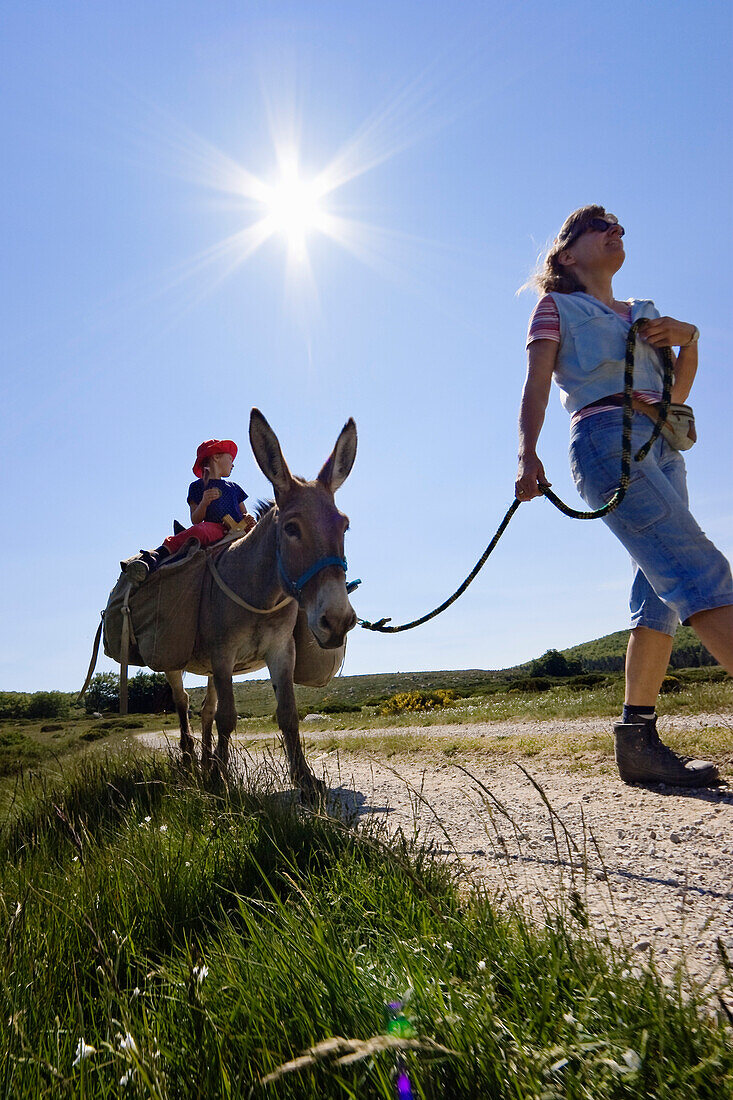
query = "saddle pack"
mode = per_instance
[{"x": 155, "y": 624}]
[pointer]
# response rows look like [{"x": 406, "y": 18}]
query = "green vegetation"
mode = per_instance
[
  {"x": 160, "y": 939},
  {"x": 41, "y": 704},
  {"x": 365, "y": 703},
  {"x": 147, "y": 693},
  {"x": 607, "y": 653}
]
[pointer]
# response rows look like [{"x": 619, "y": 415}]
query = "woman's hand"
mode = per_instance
[
  {"x": 530, "y": 475},
  {"x": 665, "y": 332}
]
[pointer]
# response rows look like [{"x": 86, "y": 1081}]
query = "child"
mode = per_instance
[{"x": 216, "y": 505}]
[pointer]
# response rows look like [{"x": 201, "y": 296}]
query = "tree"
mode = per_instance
[
  {"x": 553, "y": 663},
  {"x": 103, "y": 692},
  {"x": 149, "y": 693}
]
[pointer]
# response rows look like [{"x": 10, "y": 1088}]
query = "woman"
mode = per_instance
[{"x": 577, "y": 336}]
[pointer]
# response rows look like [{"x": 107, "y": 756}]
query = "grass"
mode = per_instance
[
  {"x": 199, "y": 939},
  {"x": 409, "y": 733},
  {"x": 45, "y": 745}
]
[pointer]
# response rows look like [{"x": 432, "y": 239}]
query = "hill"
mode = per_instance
[
  {"x": 607, "y": 654},
  {"x": 254, "y": 697}
]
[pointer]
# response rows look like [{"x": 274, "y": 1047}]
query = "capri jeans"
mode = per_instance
[{"x": 677, "y": 569}]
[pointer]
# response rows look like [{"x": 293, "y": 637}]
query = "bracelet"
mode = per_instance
[{"x": 693, "y": 339}]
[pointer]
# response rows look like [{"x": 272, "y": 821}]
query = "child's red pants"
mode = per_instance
[{"x": 205, "y": 532}]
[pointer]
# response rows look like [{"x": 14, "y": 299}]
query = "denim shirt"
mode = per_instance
[{"x": 592, "y": 353}]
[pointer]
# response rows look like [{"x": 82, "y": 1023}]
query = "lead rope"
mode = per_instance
[{"x": 598, "y": 513}]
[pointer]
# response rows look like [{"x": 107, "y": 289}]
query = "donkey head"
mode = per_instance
[{"x": 310, "y": 530}]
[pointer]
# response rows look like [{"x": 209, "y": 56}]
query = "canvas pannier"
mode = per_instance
[
  {"x": 164, "y": 614},
  {"x": 314, "y": 667}
]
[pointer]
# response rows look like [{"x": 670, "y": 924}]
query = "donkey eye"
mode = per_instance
[{"x": 292, "y": 529}]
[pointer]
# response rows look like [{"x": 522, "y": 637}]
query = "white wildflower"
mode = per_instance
[
  {"x": 448, "y": 945},
  {"x": 631, "y": 1063},
  {"x": 482, "y": 964},
  {"x": 569, "y": 1018},
  {"x": 200, "y": 972},
  {"x": 83, "y": 1050},
  {"x": 632, "y": 1059},
  {"x": 164, "y": 828},
  {"x": 136, "y": 991},
  {"x": 127, "y": 1042},
  {"x": 126, "y": 1078}
]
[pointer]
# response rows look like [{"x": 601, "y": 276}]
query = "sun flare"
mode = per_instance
[{"x": 296, "y": 205}]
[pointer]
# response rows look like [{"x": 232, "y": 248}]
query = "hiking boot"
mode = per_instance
[{"x": 642, "y": 758}]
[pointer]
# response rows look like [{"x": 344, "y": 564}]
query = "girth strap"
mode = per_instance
[{"x": 238, "y": 599}]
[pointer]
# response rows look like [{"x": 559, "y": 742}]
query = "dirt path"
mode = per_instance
[{"x": 652, "y": 868}]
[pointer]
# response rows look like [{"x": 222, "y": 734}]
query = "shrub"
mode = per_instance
[
  {"x": 531, "y": 684},
  {"x": 16, "y": 752},
  {"x": 670, "y": 684},
  {"x": 587, "y": 680},
  {"x": 417, "y": 700},
  {"x": 706, "y": 674}
]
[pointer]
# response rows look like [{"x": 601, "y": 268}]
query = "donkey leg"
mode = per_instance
[
  {"x": 180, "y": 698},
  {"x": 208, "y": 711},
  {"x": 226, "y": 717},
  {"x": 281, "y": 667}
]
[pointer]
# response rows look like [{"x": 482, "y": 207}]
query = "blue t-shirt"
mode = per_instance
[{"x": 227, "y": 504}]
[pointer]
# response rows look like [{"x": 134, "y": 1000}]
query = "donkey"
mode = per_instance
[{"x": 279, "y": 588}]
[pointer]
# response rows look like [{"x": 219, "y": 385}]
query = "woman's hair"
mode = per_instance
[{"x": 551, "y": 275}]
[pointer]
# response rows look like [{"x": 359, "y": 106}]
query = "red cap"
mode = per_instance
[{"x": 213, "y": 447}]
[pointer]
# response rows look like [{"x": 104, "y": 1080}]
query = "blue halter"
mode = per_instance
[{"x": 295, "y": 588}]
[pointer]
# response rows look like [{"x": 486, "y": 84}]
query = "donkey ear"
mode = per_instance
[
  {"x": 267, "y": 453},
  {"x": 338, "y": 466}
]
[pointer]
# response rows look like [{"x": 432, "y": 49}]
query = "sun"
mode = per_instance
[{"x": 294, "y": 208}]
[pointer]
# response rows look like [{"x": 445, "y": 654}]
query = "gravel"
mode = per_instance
[{"x": 649, "y": 869}]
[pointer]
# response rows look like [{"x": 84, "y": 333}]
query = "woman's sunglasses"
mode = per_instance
[{"x": 600, "y": 225}]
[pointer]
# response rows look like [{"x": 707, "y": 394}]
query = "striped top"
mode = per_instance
[{"x": 544, "y": 324}]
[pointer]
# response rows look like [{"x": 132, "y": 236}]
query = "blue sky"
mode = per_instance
[{"x": 470, "y": 131}]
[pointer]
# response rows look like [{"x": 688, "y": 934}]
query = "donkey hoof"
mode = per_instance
[{"x": 312, "y": 790}]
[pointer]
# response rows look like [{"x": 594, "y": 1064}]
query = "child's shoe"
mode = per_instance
[{"x": 139, "y": 568}]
